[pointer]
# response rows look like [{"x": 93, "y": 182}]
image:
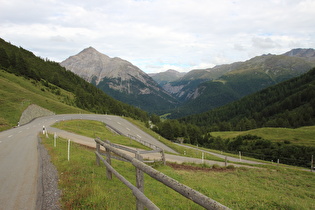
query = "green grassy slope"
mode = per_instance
[
  {"x": 17, "y": 93},
  {"x": 87, "y": 187},
  {"x": 304, "y": 136}
]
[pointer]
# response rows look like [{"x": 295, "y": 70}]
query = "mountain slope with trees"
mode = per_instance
[
  {"x": 288, "y": 104},
  {"x": 205, "y": 89},
  {"x": 120, "y": 79},
  {"x": 24, "y": 63}
]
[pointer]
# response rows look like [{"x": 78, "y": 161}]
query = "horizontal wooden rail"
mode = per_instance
[
  {"x": 152, "y": 146},
  {"x": 137, "y": 193},
  {"x": 184, "y": 190}
]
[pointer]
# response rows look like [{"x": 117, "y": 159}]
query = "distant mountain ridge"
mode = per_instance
[
  {"x": 167, "y": 76},
  {"x": 308, "y": 54},
  {"x": 120, "y": 79},
  {"x": 205, "y": 89},
  {"x": 288, "y": 104}
]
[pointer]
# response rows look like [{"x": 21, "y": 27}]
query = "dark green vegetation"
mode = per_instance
[
  {"x": 257, "y": 147},
  {"x": 211, "y": 88},
  {"x": 288, "y": 104},
  {"x": 303, "y": 136},
  {"x": 21, "y": 62},
  {"x": 85, "y": 185},
  {"x": 154, "y": 102},
  {"x": 249, "y": 145}
]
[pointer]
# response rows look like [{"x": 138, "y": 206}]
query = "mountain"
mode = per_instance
[
  {"x": 167, "y": 76},
  {"x": 49, "y": 78},
  {"x": 288, "y": 104},
  {"x": 184, "y": 87},
  {"x": 202, "y": 93},
  {"x": 307, "y": 54},
  {"x": 119, "y": 79}
]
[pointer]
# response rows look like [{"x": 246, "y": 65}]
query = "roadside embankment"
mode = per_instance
[{"x": 33, "y": 111}]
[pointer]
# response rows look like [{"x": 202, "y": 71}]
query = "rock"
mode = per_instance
[{"x": 33, "y": 111}]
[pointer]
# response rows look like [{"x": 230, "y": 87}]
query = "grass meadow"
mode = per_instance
[
  {"x": 85, "y": 186},
  {"x": 304, "y": 136}
]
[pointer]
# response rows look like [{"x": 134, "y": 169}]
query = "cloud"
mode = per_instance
[
  {"x": 160, "y": 34},
  {"x": 264, "y": 43}
]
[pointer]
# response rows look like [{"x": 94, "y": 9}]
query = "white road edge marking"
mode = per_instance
[{"x": 10, "y": 136}]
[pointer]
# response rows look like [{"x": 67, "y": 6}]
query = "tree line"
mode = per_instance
[{"x": 288, "y": 104}]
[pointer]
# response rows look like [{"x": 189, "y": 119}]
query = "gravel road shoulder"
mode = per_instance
[{"x": 48, "y": 193}]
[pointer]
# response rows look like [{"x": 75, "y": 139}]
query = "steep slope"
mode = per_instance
[
  {"x": 120, "y": 79},
  {"x": 57, "y": 79},
  {"x": 17, "y": 93},
  {"x": 287, "y": 104},
  {"x": 243, "y": 78}
]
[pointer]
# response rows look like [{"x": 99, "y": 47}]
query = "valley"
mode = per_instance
[{"x": 277, "y": 122}]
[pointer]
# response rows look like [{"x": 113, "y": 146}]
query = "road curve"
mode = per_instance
[{"x": 19, "y": 157}]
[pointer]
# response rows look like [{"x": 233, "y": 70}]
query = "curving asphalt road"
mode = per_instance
[
  {"x": 19, "y": 165},
  {"x": 19, "y": 157}
]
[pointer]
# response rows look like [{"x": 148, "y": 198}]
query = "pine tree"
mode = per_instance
[{"x": 4, "y": 59}]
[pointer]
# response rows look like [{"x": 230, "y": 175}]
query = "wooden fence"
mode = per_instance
[
  {"x": 152, "y": 146},
  {"x": 141, "y": 167}
]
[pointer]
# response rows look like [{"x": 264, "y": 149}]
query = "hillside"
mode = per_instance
[
  {"x": 81, "y": 94},
  {"x": 17, "y": 93},
  {"x": 303, "y": 136},
  {"x": 238, "y": 80},
  {"x": 119, "y": 79},
  {"x": 288, "y": 104}
]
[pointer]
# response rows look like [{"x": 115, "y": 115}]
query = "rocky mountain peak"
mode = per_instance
[
  {"x": 118, "y": 78},
  {"x": 94, "y": 66},
  {"x": 300, "y": 52}
]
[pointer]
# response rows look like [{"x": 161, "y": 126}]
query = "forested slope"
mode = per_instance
[
  {"x": 24, "y": 63},
  {"x": 288, "y": 104}
]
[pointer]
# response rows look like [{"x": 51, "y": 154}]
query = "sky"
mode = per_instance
[{"x": 157, "y": 35}]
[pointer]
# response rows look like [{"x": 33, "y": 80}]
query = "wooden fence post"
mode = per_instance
[
  {"x": 312, "y": 163},
  {"x": 163, "y": 157},
  {"x": 109, "y": 161},
  {"x": 140, "y": 181},
  {"x": 98, "y": 149}
]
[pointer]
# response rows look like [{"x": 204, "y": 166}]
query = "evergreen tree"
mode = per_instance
[{"x": 4, "y": 59}]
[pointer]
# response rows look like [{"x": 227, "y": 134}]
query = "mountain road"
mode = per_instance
[
  {"x": 19, "y": 157},
  {"x": 20, "y": 169}
]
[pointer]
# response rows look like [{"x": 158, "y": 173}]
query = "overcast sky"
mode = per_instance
[{"x": 157, "y": 35}]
